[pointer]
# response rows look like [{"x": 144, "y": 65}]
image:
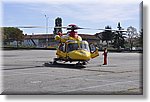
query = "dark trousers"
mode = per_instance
[{"x": 105, "y": 60}]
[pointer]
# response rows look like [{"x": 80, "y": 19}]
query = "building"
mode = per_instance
[{"x": 47, "y": 40}]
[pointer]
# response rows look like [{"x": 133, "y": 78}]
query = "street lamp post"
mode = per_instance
[
  {"x": 46, "y": 29},
  {"x": 46, "y": 23}
]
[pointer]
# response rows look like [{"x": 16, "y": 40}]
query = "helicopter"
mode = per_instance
[{"x": 72, "y": 48}]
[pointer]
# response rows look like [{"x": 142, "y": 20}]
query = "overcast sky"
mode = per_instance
[{"x": 84, "y": 13}]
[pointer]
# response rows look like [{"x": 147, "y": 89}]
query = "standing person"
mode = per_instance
[{"x": 105, "y": 56}]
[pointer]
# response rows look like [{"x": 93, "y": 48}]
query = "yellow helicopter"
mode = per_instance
[{"x": 73, "y": 48}]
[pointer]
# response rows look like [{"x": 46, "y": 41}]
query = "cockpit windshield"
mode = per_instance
[
  {"x": 78, "y": 45},
  {"x": 84, "y": 45},
  {"x": 73, "y": 46}
]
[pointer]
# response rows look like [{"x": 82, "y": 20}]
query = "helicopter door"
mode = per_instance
[{"x": 93, "y": 50}]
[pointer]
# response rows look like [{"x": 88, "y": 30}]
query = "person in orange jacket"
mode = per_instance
[{"x": 105, "y": 56}]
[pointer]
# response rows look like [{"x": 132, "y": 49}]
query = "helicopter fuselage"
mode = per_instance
[{"x": 75, "y": 51}]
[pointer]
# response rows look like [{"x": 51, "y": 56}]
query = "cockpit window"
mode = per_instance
[
  {"x": 84, "y": 46},
  {"x": 62, "y": 47},
  {"x": 92, "y": 48},
  {"x": 73, "y": 46}
]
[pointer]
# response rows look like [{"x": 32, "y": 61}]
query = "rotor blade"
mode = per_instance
[
  {"x": 34, "y": 27},
  {"x": 31, "y": 27},
  {"x": 60, "y": 27},
  {"x": 86, "y": 28},
  {"x": 40, "y": 27},
  {"x": 113, "y": 30},
  {"x": 104, "y": 29},
  {"x": 27, "y": 26}
]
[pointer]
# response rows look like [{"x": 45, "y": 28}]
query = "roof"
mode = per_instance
[
  {"x": 39, "y": 36},
  {"x": 88, "y": 36}
]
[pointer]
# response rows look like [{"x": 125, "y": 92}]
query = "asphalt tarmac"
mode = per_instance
[{"x": 23, "y": 72}]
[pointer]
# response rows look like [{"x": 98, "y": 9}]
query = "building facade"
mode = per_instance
[{"x": 48, "y": 41}]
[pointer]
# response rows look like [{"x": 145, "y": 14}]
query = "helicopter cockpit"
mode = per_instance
[{"x": 80, "y": 45}]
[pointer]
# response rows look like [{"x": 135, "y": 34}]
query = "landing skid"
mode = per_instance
[
  {"x": 66, "y": 65},
  {"x": 55, "y": 63}
]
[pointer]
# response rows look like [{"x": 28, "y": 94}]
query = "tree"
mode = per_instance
[
  {"x": 118, "y": 37},
  {"x": 141, "y": 38},
  {"x": 118, "y": 40},
  {"x": 12, "y": 34},
  {"x": 132, "y": 34},
  {"x": 107, "y": 35}
]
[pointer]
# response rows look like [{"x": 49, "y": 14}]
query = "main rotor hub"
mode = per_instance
[{"x": 72, "y": 27}]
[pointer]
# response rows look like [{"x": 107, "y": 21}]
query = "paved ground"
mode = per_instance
[{"x": 24, "y": 73}]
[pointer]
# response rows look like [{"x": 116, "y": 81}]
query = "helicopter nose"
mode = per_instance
[{"x": 80, "y": 55}]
